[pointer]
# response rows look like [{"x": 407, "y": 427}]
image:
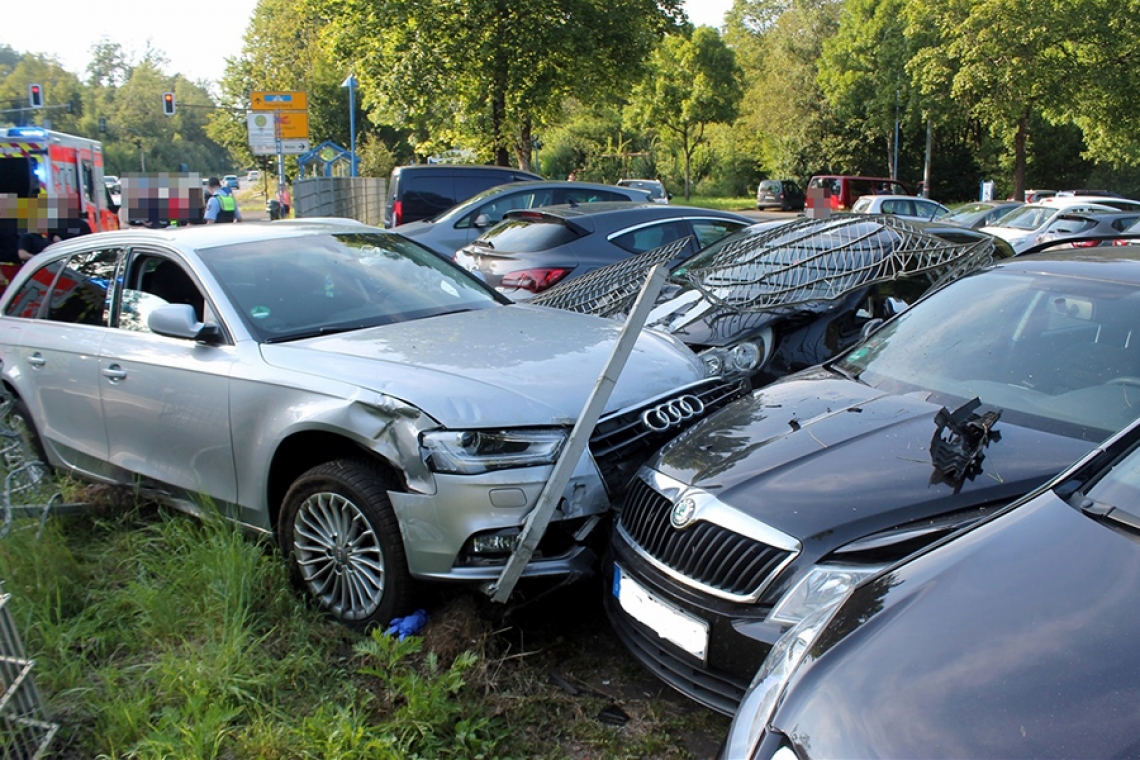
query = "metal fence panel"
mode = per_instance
[{"x": 360, "y": 198}]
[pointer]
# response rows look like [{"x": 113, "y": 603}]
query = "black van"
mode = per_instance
[{"x": 422, "y": 191}]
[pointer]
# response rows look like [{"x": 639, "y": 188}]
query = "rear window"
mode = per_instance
[{"x": 524, "y": 235}]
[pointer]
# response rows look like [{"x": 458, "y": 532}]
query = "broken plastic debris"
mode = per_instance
[{"x": 409, "y": 625}]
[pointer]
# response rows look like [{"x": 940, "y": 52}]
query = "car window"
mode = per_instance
[
  {"x": 863, "y": 205},
  {"x": 578, "y": 195},
  {"x": 155, "y": 281},
  {"x": 709, "y": 231},
  {"x": 651, "y": 236},
  {"x": 1008, "y": 328},
  {"x": 33, "y": 293},
  {"x": 537, "y": 233},
  {"x": 303, "y": 286},
  {"x": 898, "y": 206},
  {"x": 496, "y": 209},
  {"x": 81, "y": 293}
]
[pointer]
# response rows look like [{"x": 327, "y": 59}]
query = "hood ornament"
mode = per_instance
[{"x": 683, "y": 512}]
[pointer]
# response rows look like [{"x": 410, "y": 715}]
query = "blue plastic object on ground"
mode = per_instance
[{"x": 409, "y": 625}]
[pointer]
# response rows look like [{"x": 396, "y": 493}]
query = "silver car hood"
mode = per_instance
[{"x": 509, "y": 366}]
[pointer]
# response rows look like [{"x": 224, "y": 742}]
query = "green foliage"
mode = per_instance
[{"x": 692, "y": 83}]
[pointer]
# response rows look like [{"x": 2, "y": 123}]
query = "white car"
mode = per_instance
[
  {"x": 1023, "y": 227},
  {"x": 655, "y": 188},
  {"x": 905, "y": 206}
]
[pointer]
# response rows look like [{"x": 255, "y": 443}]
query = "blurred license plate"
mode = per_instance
[{"x": 668, "y": 622}]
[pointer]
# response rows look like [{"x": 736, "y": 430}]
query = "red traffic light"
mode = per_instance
[
  {"x": 168, "y": 103},
  {"x": 35, "y": 96}
]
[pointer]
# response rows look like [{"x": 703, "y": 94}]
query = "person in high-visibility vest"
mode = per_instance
[{"x": 222, "y": 206}]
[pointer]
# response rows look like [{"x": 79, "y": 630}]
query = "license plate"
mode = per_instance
[{"x": 686, "y": 631}]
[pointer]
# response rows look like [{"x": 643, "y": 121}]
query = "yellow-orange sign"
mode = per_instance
[
  {"x": 266, "y": 100},
  {"x": 294, "y": 125}
]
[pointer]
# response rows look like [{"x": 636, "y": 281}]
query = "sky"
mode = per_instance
[{"x": 197, "y": 41}]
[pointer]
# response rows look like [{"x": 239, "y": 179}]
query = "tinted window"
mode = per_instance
[
  {"x": 652, "y": 236},
  {"x": 467, "y": 185},
  {"x": 504, "y": 202},
  {"x": 426, "y": 195},
  {"x": 708, "y": 231},
  {"x": 155, "y": 282},
  {"x": 81, "y": 294},
  {"x": 523, "y": 235}
]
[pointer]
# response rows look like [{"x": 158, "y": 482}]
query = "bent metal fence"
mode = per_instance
[{"x": 29, "y": 491}]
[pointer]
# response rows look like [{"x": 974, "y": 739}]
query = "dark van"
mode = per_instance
[
  {"x": 843, "y": 190},
  {"x": 425, "y": 190}
]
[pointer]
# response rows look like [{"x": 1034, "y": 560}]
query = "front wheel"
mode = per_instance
[{"x": 342, "y": 541}]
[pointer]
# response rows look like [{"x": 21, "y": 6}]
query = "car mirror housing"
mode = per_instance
[{"x": 179, "y": 320}]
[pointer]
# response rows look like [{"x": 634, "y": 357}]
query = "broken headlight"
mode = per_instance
[
  {"x": 741, "y": 358},
  {"x": 470, "y": 452}
]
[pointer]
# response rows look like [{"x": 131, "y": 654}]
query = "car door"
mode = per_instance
[
  {"x": 166, "y": 400},
  {"x": 61, "y": 318}
]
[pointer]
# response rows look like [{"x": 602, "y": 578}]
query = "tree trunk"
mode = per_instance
[
  {"x": 1019, "y": 141},
  {"x": 524, "y": 146}
]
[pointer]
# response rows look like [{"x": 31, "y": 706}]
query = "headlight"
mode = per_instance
[
  {"x": 820, "y": 588},
  {"x": 742, "y": 358},
  {"x": 469, "y": 452},
  {"x": 767, "y": 687}
]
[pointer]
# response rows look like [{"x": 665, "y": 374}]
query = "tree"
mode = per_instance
[
  {"x": 691, "y": 83},
  {"x": 487, "y": 75}
]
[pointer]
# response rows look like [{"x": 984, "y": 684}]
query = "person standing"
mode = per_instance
[
  {"x": 222, "y": 206},
  {"x": 285, "y": 198}
]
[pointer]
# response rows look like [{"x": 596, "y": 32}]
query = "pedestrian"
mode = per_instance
[
  {"x": 222, "y": 206},
  {"x": 285, "y": 198}
]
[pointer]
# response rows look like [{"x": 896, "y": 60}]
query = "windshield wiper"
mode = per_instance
[
  {"x": 1109, "y": 512},
  {"x": 853, "y": 376}
]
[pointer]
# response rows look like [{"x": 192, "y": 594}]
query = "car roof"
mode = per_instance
[
  {"x": 197, "y": 236},
  {"x": 609, "y": 208},
  {"x": 1109, "y": 264}
]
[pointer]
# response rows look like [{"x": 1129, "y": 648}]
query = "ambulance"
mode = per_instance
[{"x": 38, "y": 164}]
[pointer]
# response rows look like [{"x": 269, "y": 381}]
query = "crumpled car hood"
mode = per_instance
[
  {"x": 821, "y": 457},
  {"x": 509, "y": 366}
]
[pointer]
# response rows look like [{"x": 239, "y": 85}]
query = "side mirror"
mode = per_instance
[
  {"x": 483, "y": 221},
  {"x": 179, "y": 320},
  {"x": 870, "y": 327}
]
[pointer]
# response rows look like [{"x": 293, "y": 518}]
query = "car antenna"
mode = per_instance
[{"x": 572, "y": 203}]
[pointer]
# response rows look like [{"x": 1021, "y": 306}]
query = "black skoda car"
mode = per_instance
[
  {"x": 782, "y": 501},
  {"x": 1012, "y": 639}
]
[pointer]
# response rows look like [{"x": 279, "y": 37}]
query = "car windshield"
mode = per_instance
[
  {"x": 970, "y": 209},
  {"x": 655, "y": 189},
  {"x": 1054, "y": 353},
  {"x": 309, "y": 285},
  {"x": 1028, "y": 217}
]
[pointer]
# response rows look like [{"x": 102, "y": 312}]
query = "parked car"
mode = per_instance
[
  {"x": 842, "y": 190},
  {"x": 1036, "y": 196},
  {"x": 231, "y": 181},
  {"x": 1073, "y": 225},
  {"x": 1113, "y": 201},
  {"x": 981, "y": 214},
  {"x": 783, "y": 194},
  {"x": 655, "y": 188},
  {"x": 465, "y": 221},
  {"x": 110, "y": 179},
  {"x": 905, "y": 206},
  {"x": 1022, "y": 228},
  {"x": 426, "y": 190},
  {"x": 530, "y": 251},
  {"x": 767, "y": 510},
  {"x": 253, "y": 175},
  {"x": 1014, "y": 628},
  {"x": 336, "y": 386},
  {"x": 778, "y": 297}
]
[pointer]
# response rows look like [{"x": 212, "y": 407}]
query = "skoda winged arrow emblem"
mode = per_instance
[{"x": 683, "y": 511}]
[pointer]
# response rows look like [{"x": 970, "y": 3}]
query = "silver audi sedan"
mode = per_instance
[{"x": 382, "y": 413}]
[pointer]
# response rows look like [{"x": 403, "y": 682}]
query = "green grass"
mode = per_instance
[
  {"x": 159, "y": 635},
  {"x": 743, "y": 203}
]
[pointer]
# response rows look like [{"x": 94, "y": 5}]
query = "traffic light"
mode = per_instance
[
  {"x": 102, "y": 124},
  {"x": 35, "y": 96},
  {"x": 168, "y": 103}
]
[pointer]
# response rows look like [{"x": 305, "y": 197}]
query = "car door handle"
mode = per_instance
[
  {"x": 37, "y": 360},
  {"x": 114, "y": 373}
]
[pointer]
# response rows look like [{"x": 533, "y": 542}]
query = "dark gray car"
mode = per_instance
[
  {"x": 530, "y": 251},
  {"x": 459, "y": 225}
]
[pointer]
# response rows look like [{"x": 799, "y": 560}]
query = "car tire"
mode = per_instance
[
  {"x": 342, "y": 542},
  {"x": 30, "y": 447}
]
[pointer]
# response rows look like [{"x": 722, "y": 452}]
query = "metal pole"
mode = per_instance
[
  {"x": 350, "y": 83},
  {"x": 539, "y": 517}
]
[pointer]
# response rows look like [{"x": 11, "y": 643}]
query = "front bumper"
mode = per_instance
[{"x": 739, "y": 636}]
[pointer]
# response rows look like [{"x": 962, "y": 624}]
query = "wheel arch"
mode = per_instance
[{"x": 302, "y": 451}]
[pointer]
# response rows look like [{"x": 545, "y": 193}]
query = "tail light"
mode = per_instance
[
  {"x": 534, "y": 280},
  {"x": 397, "y": 213},
  {"x": 1086, "y": 243}
]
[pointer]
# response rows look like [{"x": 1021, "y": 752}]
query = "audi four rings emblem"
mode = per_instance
[{"x": 672, "y": 412}]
